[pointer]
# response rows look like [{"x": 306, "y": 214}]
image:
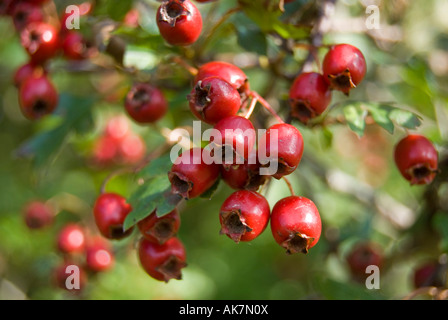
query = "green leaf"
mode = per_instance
[
  {"x": 355, "y": 116},
  {"x": 168, "y": 204},
  {"x": 115, "y": 9},
  {"x": 211, "y": 191},
  {"x": 158, "y": 166},
  {"x": 380, "y": 113},
  {"x": 143, "y": 208},
  {"x": 252, "y": 39},
  {"x": 405, "y": 119},
  {"x": 440, "y": 223}
]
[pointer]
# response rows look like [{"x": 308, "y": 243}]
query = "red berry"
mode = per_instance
[
  {"x": 160, "y": 229},
  {"x": 282, "y": 144},
  {"x": 38, "y": 215},
  {"x": 105, "y": 151},
  {"x": 428, "y": 274},
  {"x": 131, "y": 148},
  {"x": 363, "y": 255},
  {"x": 309, "y": 96},
  {"x": 296, "y": 224},
  {"x": 37, "y": 97},
  {"x": 117, "y": 127},
  {"x": 417, "y": 159},
  {"x": 110, "y": 211},
  {"x": 344, "y": 67},
  {"x": 67, "y": 269},
  {"x": 75, "y": 47},
  {"x": 162, "y": 261},
  {"x": 38, "y": 2},
  {"x": 179, "y": 22},
  {"x": 190, "y": 176},
  {"x": 71, "y": 239},
  {"x": 25, "y": 13},
  {"x": 244, "y": 215},
  {"x": 227, "y": 71},
  {"x": 213, "y": 99},
  {"x": 204, "y": 1},
  {"x": 99, "y": 256},
  {"x": 237, "y": 139},
  {"x": 6, "y": 7},
  {"x": 26, "y": 71},
  {"x": 145, "y": 103},
  {"x": 41, "y": 41}
]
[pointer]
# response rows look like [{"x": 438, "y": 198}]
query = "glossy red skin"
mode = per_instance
[
  {"x": 232, "y": 130},
  {"x": 311, "y": 92},
  {"x": 145, "y": 103},
  {"x": 110, "y": 210},
  {"x": 227, "y": 71},
  {"x": 205, "y": 1},
  {"x": 253, "y": 211},
  {"x": 37, "y": 97},
  {"x": 99, "y": 256},
  {"x": 75, "y": 47},
  {"x": 414, "y": 152},
  {"x": 150, "y": 225},
  {"x": 71, "y": 239},
  {"x": 26, "y": 71},
  {"x": 197, "y": 174},
  {"x": 41, "y": 41},
  {"x": 289, "y": 147},
  {"x": 185, "y": 28},
  {"x": 38, "y": 215},
  {"x": 131, "y": 149},
  {"x": 153, "y": 256},
  {"x": 60, "y": 276},
  {"x": 295, "y": 215},
  {"x": 224, "y": 100},
  {"x": 363, "y": 255},
  {"x": 25, "y": 13},
  {"x": 341, "y": 57}
]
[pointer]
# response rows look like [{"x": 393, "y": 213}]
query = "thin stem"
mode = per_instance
[
  {"x": 252, "y": 105},
  {"x": 192, "y": 70},
  {"x": 266, "y": 105},
  {"x": 288, "y": 183},
  {"x": 113, "y": 174}
]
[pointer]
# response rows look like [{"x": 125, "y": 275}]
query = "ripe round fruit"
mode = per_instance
[
  {"x": 363, "y": 255},
  {"x": 344, "y": 67},
  {"x": 26, "y": 71},
  {"x": 110, "y": 211},
  {"x": 213, "y": 99},
  {"x": 41, "y": 41},
  {"x": 37, "y": 97},
  {"x": 417, "y": 159},
  {"x": 282, "y": 147},
  {"x": 162, "y": 261},
  {"x": 38, "y": 214},
  {"x": 63, "y": 271},
  {"x": 296, "y": 224},
  {"x": 25, "y": 13},
  {"x": 309, "y": 96},
  {"x": 145, "y": 103},
  {"x": 179, "y": 22},
  {"x": 76, "y": 47},
  {"x": 160, "y": 229},
  {"x": 190, "y": 176},
  {"x": 71, "y": 239},
  {"x": 429, "y": 274},
  {"x": 244, "y": 215},
  {"x": 227, "y": 71},
  {"x": 99, "y": 256}
]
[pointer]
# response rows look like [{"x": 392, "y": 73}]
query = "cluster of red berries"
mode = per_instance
[{"x": 42, "y": 41}]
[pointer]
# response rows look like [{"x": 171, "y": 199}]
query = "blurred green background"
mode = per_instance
[{"x": 353, "y": 180}]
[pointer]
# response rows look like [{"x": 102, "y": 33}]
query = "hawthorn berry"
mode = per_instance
[
  {"x": 75, "y": 47},
  {"x": 131, "y": 148},
  {"x": 25, "y": 13},
  {"x": 190, "y": 176},
  {"x": 37, "y": 97},
  {"x": 296, "y": 224},
  {"x": 429, "y": 274},
  {"x": 145, "y": 103},
  {"x": 416, "y": 159},
  {"x": 226, "y": 71},
  {"x": 38, "y": 215},
  {"x": 110, "y": 210},
  {"x": 99, "y": 256},
  {"x": 244, "y": 215},
  {"x": 41, "y": 41},
  {"x": 283, "y": 146},
  {"x": 26, "y": 71},
  {"x": 237, "y": 139},
  {"x": 309, "y": 96},
  {"x": 162, "y": 261},
  {"x": 363, "y": 255},
  {"x": 179, "y": 22},
  {"x": 344, "y": 67},
  {"x": 160, "y": 229},
  {"x": 63, "y": 271},
  {"x": 213, "y": 99},
  {"x": 6, "y": 7},
  {"x": 71, "y": 239}
]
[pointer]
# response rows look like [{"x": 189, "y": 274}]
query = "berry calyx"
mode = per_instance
[
  {"x": 309, "y": 96},
  {"x": 145, "y": 103},
  {"x": 37, "y": 97},
  {"x": 160, "y": 229},
  {"x": 162, "y": 262},
  {"x": 190, "y": 176},
  {"x": 179, "y": 22},
  {"x": 99, "y": 256},
  {"x": 38, "y": 215},
  {"x": 416, "y": 159},
  {"x": 282, "y": 144},
  {"x": 110, "y": 210},
  {"x": 244, "y": 215},
  {"x": 296, "y": 224},
  {"x": 41, "y": 41},
  {"x": 71, "y": 239},
  {"x": 363, "y": 255},
  {"x": 213, "y": 99},
  {"x": 344, "y": 67}
]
